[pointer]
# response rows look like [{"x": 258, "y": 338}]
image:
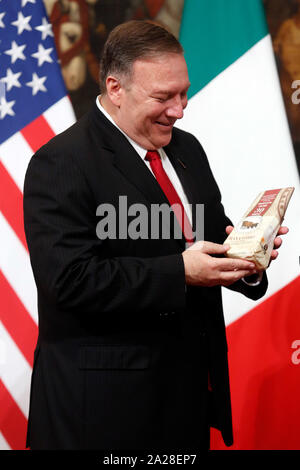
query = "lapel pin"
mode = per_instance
[{"x": 181, "y": 163}]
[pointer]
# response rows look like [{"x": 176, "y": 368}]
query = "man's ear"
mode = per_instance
[{"x": 114, "y": 90}]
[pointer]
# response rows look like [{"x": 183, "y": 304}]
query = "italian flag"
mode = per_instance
[{"x": 236, "y": 111}]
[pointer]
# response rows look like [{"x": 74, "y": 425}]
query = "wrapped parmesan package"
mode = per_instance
[{"x": 253, "y": 237}]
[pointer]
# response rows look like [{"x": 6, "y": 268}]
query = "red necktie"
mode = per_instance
[{"x": 162, "y": 178}]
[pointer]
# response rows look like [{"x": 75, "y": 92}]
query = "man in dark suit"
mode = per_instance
[{"x": 131, "y": 352}]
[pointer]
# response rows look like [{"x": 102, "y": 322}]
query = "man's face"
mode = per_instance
[{"x": 154, "y": 98}]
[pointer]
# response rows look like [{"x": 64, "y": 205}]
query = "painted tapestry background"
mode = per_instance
[{"x": 81, "y": 28}]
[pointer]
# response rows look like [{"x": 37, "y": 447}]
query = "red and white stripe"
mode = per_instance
[{"x": 18, "y": 317}]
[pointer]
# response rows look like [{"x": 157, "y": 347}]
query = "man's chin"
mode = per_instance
[{"x": 162, "y": 140}]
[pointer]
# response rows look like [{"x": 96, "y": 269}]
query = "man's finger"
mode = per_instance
[
  {"x": 274, "y": 255},
  {"x": 229, "y": 229},
  {"x": 229, "y": 277},
  {"x": 209, "y": 247},
  {"x": 282, "y": 231},
  {"x": 235, "y": 265},
  {"x": 277, "y": 242}
]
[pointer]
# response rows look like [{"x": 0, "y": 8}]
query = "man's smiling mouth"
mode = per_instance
[{"x": 166, "y": 125}]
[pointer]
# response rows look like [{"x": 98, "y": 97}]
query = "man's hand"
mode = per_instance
[
  {"x": 277, "y": 241},
  {"x": 202, "y": 269}
]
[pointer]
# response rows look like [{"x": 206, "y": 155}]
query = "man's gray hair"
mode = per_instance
[{"x": 133, "y": 40}]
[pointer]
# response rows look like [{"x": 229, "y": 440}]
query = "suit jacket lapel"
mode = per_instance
[
  {"x": 126, "y": 159},
  {"x": 137, "y": 172},
  {"x": 184, "y": 172}
]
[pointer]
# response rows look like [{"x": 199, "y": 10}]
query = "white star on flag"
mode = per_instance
[
  {"x": 6, "y": 108},
  {"x": 43, "y": 55},
  {"x": 11, "y": 79},
  {"x": 37, "y": 84},
  {"x": 22, "y": 23},
  {"x": 2, "y": 25},
  {"x": 45, "y": 28},
  {"x": 24, "y": 2},
  {"x": 16, "y": 52}
]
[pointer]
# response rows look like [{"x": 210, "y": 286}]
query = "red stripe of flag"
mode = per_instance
[
  {"x": 13, "y": 423},
  {"x": 37, "y": 133},
  {"x": 11, "y": 204},
  {"x": 17, "y": 320},
  {"x": 264, "y": 375}
]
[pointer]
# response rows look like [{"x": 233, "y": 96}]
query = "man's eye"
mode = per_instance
[{"x": 160, "y": 99}]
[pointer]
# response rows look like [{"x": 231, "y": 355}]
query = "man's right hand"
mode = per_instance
[{"x": 202, "y": 269}]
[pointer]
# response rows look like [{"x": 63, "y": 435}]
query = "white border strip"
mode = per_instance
[
  {"x": 16, "y": 267},
  {"x": 15, "y": 372},
  {"x": 3, "y": 443},
  {"x": 15, "y": 154},
  {"x": 60, "y": 116}
]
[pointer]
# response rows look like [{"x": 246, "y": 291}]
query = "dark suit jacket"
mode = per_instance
[{"x": 124, "y": 346}]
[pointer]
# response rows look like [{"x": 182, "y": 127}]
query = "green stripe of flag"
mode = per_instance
[{"x": 214, "y": 33}]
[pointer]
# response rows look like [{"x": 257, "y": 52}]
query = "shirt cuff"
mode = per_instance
[{"x": 254, "y": 279}]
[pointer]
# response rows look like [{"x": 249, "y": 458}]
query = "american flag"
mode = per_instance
[{"x": 34, "y": 106}]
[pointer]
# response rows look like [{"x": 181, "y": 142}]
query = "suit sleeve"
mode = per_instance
[{"x": 70, "y": 264}]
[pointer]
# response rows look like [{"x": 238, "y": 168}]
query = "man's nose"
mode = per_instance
[{"x": 176, "y": 108}]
